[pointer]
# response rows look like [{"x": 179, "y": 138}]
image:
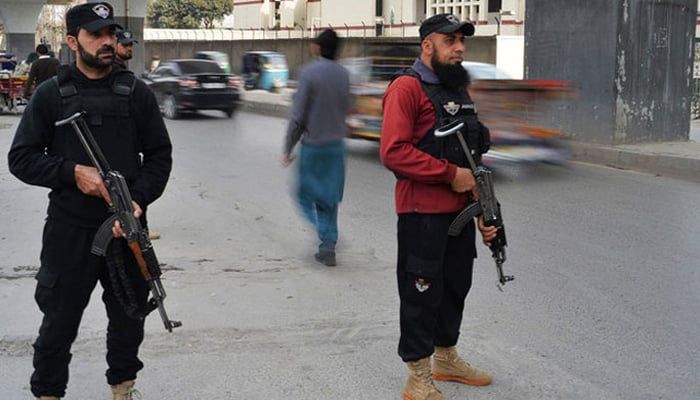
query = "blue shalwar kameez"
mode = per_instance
[{"x": 321, "y": 180}]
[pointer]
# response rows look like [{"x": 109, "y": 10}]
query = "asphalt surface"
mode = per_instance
[{"x": 266, "y": 322}]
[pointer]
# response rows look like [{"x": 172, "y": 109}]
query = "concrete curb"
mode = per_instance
[
  {"x": 653, "y": 159},
  {"x": 265, "y": 108}
]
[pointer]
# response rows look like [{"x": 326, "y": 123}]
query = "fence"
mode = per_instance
[
  {"x": 403, "y": 30},
  {"x": 297, "y": 50}
]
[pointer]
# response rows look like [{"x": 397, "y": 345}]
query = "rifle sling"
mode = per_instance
[{"x": 121, "y": 284}]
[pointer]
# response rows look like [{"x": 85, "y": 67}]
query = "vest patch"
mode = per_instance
[
  {"x": 452, "y": 108},
  {"x": 422, "y": 285}
]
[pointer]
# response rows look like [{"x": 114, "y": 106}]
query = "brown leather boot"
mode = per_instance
[
  {"x": 125, "y": 391},
  {"x": 420, "y": 385},
  {"x": 449, "y": 366}
]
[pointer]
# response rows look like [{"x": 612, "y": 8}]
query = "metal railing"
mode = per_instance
[{"x": 401, "y": 30}]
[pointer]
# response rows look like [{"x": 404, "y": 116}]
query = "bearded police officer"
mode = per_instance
[
  {"x": 125, "y": 47},
  {"x": 434, "y": 270},
  {"x": 123, "y": 115}
]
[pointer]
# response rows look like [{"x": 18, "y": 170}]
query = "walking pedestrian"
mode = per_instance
[
  {"x": 124, "y": 117},
  {"x": 317, "y": 119},
  {"x": 41, "y": 69},
  {"x": 434, "y": 270}
]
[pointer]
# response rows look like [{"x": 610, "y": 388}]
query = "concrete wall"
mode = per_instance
[
  {"x": 297, "y": 50},
  {"x": 20, "y": 20},
  {"x": 655, "y": 64},
  {"x": 630, "y": 61},
  {"x": 510, "y": 55},
  {"x": 21, "y": 45}
]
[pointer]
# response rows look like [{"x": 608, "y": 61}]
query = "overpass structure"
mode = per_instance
[{"x": 19, "y": 18}]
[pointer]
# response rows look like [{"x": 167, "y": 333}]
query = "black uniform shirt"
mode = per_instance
[{"x": 138, "y": 146}]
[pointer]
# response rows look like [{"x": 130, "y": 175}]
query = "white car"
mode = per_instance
[{"x": 479, "y": 70}]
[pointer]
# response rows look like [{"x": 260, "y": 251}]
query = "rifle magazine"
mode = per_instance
[
  {"x": 466, "y": 215},
  {"x": 103, "y": 237}
]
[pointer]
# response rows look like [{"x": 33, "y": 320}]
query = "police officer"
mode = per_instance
[
  {"x": 434, "y": 271},
  {"x": 125, "y": 47},
  {"x": 123, "y": 115},
  {"x": 123, "y": 53}
]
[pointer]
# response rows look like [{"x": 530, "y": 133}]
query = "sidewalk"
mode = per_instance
[{"x": 673, "y": 159}]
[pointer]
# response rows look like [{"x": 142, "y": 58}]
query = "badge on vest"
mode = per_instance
[{"x": 453, "y": 108}]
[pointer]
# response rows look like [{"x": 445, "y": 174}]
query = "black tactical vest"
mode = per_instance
[
  {"x": 451, "y": 105},
  {"x": 107, "y": 113},
  {"x": 99, "y": 103}
]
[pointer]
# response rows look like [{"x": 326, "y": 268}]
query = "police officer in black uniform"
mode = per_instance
[
  {"x": 123, "y": 115},
  {"x": 125, "y": 47}
]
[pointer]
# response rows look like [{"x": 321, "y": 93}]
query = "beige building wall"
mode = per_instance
[{"x": 399, "y": 18}]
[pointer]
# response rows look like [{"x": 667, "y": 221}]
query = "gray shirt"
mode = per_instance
[{"x": 320, "y": 105}]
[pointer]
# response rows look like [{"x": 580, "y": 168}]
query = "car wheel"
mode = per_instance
[
  {"x": 170, "y": 107},
  {"x": 229, "y": 112}
]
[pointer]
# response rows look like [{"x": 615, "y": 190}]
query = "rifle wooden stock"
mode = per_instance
[{"x": 138, "y": 255}]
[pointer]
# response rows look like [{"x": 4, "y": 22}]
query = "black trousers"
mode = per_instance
[
  {"x": 65, "y": 281},
  {"x": 434, "y": 273}
]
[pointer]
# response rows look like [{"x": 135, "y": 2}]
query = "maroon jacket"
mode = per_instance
[{"x": 425, "y": 186}]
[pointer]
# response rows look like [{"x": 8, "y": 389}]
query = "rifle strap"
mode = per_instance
[{"x": 121, "y": 285}]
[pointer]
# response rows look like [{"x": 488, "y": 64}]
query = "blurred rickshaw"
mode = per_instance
[
  {"x": 515, "y": 111},
  {"x": 217, "y": 56},
  {"x": 265, "y": 70},
  {"x": 11, "y": 90}
]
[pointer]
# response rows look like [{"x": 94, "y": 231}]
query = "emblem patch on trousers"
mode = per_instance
[{"x": 422, "y": 285}]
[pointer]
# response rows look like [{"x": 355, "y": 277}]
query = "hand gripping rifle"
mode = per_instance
[
  {"x": 487, "y": 205},
  {"x": 122, "y": 210}
]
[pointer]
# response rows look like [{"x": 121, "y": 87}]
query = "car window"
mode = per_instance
[
  {"x": 277, "y": 61},
  {"x": 198, "y": 67},
  {"x": 162, "y": 71}
]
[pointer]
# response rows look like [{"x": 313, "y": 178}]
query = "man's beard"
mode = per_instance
[
  {"x": 94, "y": 61},
  {"x": 452, "y": 76}
]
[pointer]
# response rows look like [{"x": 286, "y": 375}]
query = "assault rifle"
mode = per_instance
[
  {"x": 122, "y": 210},
  {"x": 487, "y": 205}
]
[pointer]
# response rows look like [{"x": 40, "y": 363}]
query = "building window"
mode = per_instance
[
  {"x": 278, "y": 17},
  {"x": 495, "y": 6},
  {"x": 463, "y": 9}
]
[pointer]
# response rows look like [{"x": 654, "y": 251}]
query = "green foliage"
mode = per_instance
[{"x": 186, "y": 14}]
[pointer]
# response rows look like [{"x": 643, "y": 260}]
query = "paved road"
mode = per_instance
[{"x": 604, "y": 305}]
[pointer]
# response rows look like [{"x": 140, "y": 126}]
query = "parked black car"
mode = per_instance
[{"x": 189, "y": 85}]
